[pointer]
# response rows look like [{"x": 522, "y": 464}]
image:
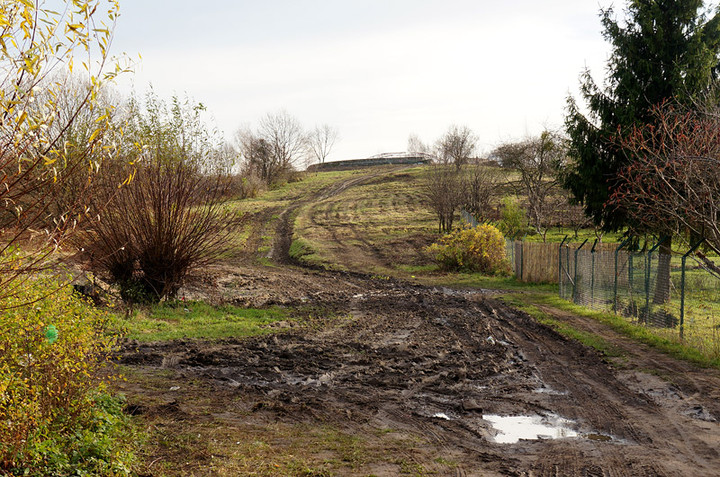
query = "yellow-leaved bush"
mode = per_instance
[
  {"x": 56, "y": 417},
  {"x": 479, "y": 249}
]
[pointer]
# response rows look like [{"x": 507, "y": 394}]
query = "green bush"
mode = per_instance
[
  {"x": 56, "y": 417},
  {"x": 513, "y": 220},
  {"x": 479, "y": 249}
]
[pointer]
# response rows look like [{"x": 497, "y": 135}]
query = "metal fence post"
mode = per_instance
[
  {"x": 682, "y": 287},
  {"x": 631, "y": 282},
  {"x": 567, "y": 261},
  {"x": 560, "y": 281},
  {"x": 592, "y": 276},
  {"x": 575, "y": 288}
]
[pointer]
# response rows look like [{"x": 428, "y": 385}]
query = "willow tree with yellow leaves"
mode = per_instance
[
  {"x": 42, "y": 51},
  {"x": 53, "y": 139}
]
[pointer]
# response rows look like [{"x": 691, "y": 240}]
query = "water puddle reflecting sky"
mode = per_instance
[{"x": 510, "y": 429}]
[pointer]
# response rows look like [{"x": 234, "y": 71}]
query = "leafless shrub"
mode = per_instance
[
  {"x": 171, "y": 217},
  {"x": 444, "y": 194},
  {"x": 169, "y": 220},
  {"x": 480, "y": 190},
  {"x": 538, "y": 161},
  {"x": 246, "y": 185}
]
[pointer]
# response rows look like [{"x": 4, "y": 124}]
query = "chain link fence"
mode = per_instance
[{"x": 675, "y": 295}]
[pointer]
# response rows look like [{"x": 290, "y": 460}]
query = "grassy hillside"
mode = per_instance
[
  {"x": 379, "y": 225},
  {"x": 377, "y": 221},
  {"x": 372, "y": 220}
]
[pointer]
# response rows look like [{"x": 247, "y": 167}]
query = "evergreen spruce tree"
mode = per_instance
[{"x": 664, "y": 50}]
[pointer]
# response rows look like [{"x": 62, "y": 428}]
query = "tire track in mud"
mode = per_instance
[
  {"x": 694, "y": 381},
  {"x": 280, "y": 251},
  {"x": 283, "y": 228},
  {"x": 430, "y": 364},
  {"x": 606, "y": 402},
  {"x": 254, "y": 241}
]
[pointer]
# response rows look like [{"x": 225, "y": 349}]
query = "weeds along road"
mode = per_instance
[{"x": 378, "y": 376}]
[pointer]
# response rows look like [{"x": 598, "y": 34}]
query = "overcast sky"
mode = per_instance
[{"x": 378, "y": 70}]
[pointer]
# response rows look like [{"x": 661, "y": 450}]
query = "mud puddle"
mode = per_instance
[{"x": 511, "y": 429}]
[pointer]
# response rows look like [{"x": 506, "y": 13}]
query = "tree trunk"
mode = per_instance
[{"x": 662, "y": 282}]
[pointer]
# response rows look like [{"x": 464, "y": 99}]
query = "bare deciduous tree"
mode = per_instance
[
  {"x": 673, "y": 184},
  {"x": 285, "y": 136},
  {"x": 320, "y": 142},
  {"x": 416, "y": 145},
  {"x": 537, "y": 160},
  {"x": 275, "y": 148},
  {"x": 456, "y": 146},
  {"x": 444, "y": 194},
  {"x": 480, "y": 185}
]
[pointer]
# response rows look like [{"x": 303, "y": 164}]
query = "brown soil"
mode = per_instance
[{"x": 412, "y": 371}]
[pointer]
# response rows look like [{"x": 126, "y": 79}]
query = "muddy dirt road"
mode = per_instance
[{"x": 422, "y": 376}]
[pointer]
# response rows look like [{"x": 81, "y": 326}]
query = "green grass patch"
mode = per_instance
[
  {"x": 429, "y": 268},
  {"x": 300, "y": 248},
  {"x": 529, "y": 306},
  {"x": 235, "y": 241},
  {"x": 307, "y": 252},
  {"x": 173, "y": 320},
  {"x": 556, "y": 235},
  {"x": 528, "y": 302},
  {"x": 476, "y": 280},
  {"x": 266, "y": 262},
  {"x": 450, "y": 463},
  {"x": 103, "y": 445},
  {"x": 381, "y": 218},
  {"x": 283, "y": 195}
]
